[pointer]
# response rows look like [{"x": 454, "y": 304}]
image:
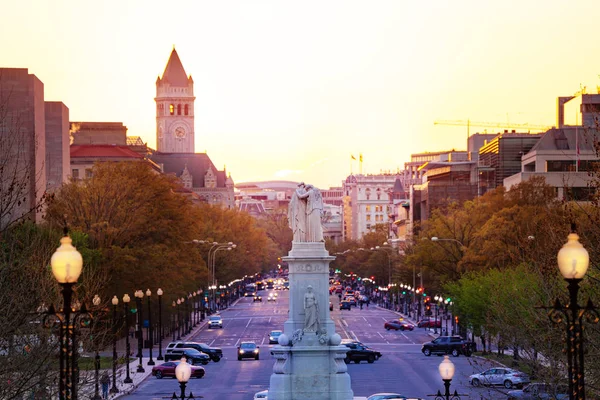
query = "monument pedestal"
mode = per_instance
[{"x": 309, "y": 362}]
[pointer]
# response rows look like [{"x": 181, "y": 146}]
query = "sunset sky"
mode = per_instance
[{"x": 290, "y": 89}]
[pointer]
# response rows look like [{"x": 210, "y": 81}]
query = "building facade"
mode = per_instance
[{"x": 57, "y": 144}]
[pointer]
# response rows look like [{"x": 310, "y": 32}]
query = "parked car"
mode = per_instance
[
  {"x": 540, "y": 391},
  {"x": 215, "y": 353},
  {"x": 345, "y": 305},
  {"x": 257, "y": 298},
  {"x": 429, "y": 323},
  {"x": 397, "y": 324},
  {"x": 261, "y": 395},
  {"x": 386, "y": 396},
  {"x": 215, "y": 321},
  {"x": 248, "y": 350},
  {"x": 454, "y": 345},
  {"x": 168, "y": 370},
  {"x": 506, "y": 377},
  {"x": 274, "y": 337},
  {"x": 193, "y": 356},
  {"x": 359, "y": 352}
]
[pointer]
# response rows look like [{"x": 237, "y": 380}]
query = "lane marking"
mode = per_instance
[
  {"x": 211, "y": 343},
  {"x": 248, "y": 324}
]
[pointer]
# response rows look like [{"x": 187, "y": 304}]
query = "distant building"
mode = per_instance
[
  {"x": 175, "y": 138},
  {"x": 57, "y": 145},
  {"x": 104, "y": 133},
  {"x": 333, "y": 196},
  {"x": 580, "y": 110}
]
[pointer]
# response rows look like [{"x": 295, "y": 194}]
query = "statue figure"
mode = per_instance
[
  {"x": 297, "y": 214},
  {"x": 314, "y": 209},
  {"x": 311, "y": 311}
]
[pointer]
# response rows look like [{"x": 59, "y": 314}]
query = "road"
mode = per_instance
[{"x": 403, "y": 368}]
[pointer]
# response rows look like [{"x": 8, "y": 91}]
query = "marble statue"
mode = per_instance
[
  {"x": 304, "y": 214},
  {"x": 311, "y": 311}
]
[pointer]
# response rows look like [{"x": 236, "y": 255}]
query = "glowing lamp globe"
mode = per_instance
[
  {"x": 573, "y": 259},
  {"x": 446, "y": 369},
  {"x": 183, "y": 371},
  {"x": 66, "y": 262}
]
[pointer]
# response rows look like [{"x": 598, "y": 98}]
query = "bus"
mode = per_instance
[{"x": 250, "y": 290}]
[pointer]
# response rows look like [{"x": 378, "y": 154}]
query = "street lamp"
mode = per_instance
[
  {"x": 178, "y": 319},
  {"x": 126, "y": 300},
  {"x": 139, "y": 295},
  {"x": 159, "y": 292},
  {"x": 115, "y": 303},
  {"x": 150, "y": 338},
  {"x": 67, "y": 264},
  {"x": 446, "y": 369},
  {"x": 96, "y": 303},
  {"x": 183, "y": 372},
  {"x": 389, "y": 260},
  {"x": 573, "y": 262}
]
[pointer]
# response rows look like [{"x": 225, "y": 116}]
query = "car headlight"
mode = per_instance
[
  {"x": 256, "y": 350},
  {"x": 241, "y": 351}
]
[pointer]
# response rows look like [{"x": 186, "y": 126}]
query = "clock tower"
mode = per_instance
[{"x": 174, "y": 109}]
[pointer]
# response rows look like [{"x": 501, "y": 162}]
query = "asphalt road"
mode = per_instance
[{"x": 403, "y": 368}]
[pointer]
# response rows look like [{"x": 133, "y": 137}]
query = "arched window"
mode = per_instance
[
  {"x": 171, "y": 109},
  {"x": 178, "y": 109},
  {"x": 186, "y": 109}
]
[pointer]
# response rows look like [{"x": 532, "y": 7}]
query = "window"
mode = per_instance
[
  {"x": 178, "y": 109},
  {"x": 75, "y": 174},
  {"x": 368, "y": 217},
  {"x": 186, "y": 109},
  {"x": 88, "y": 172},
  {"x": 368, "y": 208},
  {"x": 171, "y": 109}
]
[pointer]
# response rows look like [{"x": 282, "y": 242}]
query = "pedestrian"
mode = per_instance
[{"x": 105, "y": 381}]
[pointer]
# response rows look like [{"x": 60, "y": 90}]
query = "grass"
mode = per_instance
[
  {"x": 508, "y": 360},
  {"x": 88, "y": 363}
]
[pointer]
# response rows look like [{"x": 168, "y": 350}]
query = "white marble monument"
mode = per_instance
[{"x": 309, "y": 358}]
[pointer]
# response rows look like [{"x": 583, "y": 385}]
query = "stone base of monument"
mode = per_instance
[{"x": 309, "y": 363}]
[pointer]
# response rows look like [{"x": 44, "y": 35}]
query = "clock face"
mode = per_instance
[{"x": 179, "y": 132}]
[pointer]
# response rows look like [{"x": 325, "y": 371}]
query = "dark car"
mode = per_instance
[
  {"x": 257, "y": 298},
  {"x": 345, "y": 305},
  {"x": 168, "y": 370},
  {"x": 274, "y": 337},
  {"x": 215, "y": 353},
  {"x": 540, "y": 391},
  {"x": 429, "y": 323},
  {"x": 454, "y": 345},
  {"x": 193, "y": 356},
  {"x": 396, "y": 325},
  {"x": 248, "y": 350},
  {"x": 359, "y": 352}
]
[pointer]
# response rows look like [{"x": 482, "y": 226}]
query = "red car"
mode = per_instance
[
  {"x": 429, "y": 323},
  {"x": 168, "y": 369},
  {"x": 398, "y": 325}
]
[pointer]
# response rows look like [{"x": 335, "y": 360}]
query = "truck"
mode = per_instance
[{"x": 454, "y": 345}]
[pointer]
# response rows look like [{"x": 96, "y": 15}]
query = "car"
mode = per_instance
[
  {"x": 271, "y": 297},
  {"x": 248, "y": 350},
  {"x": 345, "y": 305},
  {"x": 286, "y": 285},
  {"x": 215, "y": 353},
  {"x": 261, "y": 395},
  {"x": 193, "y": 356},
  {"x": 330, "y": 306},
  {"x": 338, "y": 290},
  {"x": 274, "y": 337},
  {"x": 167, "y": 369},
  {"x": 359, "y": 352},
  {"x": 257, "y": 298},
  {"x": 351, "y": 299},
  {"x": 540, "y": 391},
  {"x": 454, "y": 345},
  {"x": 506, "y": 377},
  {"x": 429, "y": 323},
  {"x": 215, "y": 321},
  {"x": 397, "y": 324},
  {"x": 386, "y": 396}
]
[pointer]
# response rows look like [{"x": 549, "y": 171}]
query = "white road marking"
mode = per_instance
[
  {"x": 354, "y": 336},
  {"x": 211, "y": 343},
  {"x": 402, "y": 333},
  {"x": 248, "y": 324},
  {"x": 236, "y": 343}
]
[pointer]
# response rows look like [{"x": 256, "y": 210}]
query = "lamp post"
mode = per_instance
[
  {"x": 437, "y": 306},
  {"x": 573, "y": 262},
  {"x": 138, "y": 303},
  {"x": 96, "y": 303},
  {"x": 159, "y": 292},
  {"x": 67, "y": 264},
  {"x": 173, "y": 315},
  {"x": 190, "y": 311},
  {"x": 150, "y": 338},
  {"x": 178, "y": 319},
  {"x": 115, "y": 303},
  {"x": 446, "y": 369},
  {"x": 126, "y": 300},
  {"x": 183, "y": 372},
  {"x": 211, "y": 261}
]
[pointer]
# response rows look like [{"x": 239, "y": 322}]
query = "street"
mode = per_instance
[{"x": 402, "y": 368}]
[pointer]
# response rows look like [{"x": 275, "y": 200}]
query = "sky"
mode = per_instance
[{"x": 289, "y": 90}]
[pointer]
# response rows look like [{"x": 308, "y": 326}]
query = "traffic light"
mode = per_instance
[
  {"x": 404, "y": 292},
  {"x": 373, "y": 278},
  {"x": 456, "y": 319}
]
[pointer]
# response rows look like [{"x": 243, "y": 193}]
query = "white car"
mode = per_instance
[
  {"x": 215, "y": 321},
  {"x": 261, "y": 395},
  {"x": 506, "y": 377}
]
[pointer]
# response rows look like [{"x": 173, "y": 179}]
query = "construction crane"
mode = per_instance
[{"x": 502, "y": 125}]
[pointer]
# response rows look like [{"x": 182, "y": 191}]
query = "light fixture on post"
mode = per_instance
[
  {"x": 150, "y": 338},
  {"x": 96, "y": 302},
  {"x": 173, "y": 315},
  {"x": 126, "y": 300},
  {"x": 446, "y": 369},
  {"x": 178, "y": 319},
  {"x": 139, "y": 295},
  {"x": 159, "y": 292},
  {"x": 115, "y": 303},
  {"x": 183, "y": 372},
  {"x": 67, "y": 264},
  {"x": 573, "y": 261}
]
